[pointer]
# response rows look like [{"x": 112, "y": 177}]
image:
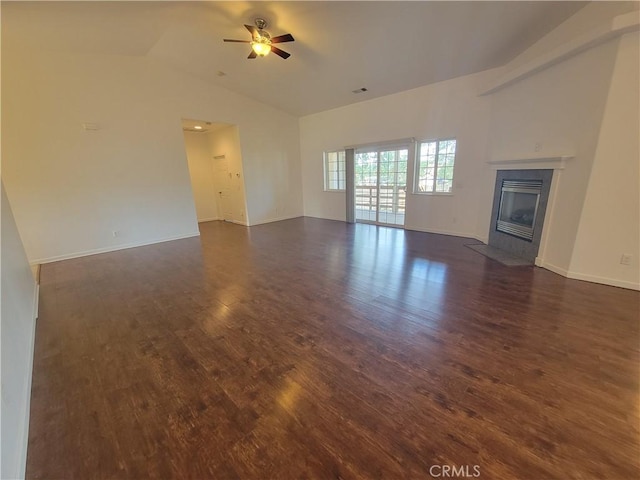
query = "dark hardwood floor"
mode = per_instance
[{"x": 316, "y": 349}]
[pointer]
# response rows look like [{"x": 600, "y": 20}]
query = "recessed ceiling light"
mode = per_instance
[{"x": 198, "y": 127}]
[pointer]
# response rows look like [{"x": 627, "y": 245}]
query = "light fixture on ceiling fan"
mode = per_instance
[{"x": 262, "y": 43}]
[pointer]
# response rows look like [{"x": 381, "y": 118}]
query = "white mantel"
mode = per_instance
[
  {"x": 556, "y": 162},
  {"x": 548, "y": 162}
]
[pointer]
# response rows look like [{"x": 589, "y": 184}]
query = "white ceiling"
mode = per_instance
[{"x": 386, "y": 47}]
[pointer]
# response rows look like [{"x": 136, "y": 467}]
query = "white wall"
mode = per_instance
[
  {"x": 560, "y": 111},
  {"x": 272, "y": 174},
  {"x": 71, "y": 189},
  {"x": 200, "y": 163},
  {"x": 576, "y": 107},
  {"x": 18, "y": 294},
  {"x": 609, "y": 225},
  {"x": 440, "y": 110}
]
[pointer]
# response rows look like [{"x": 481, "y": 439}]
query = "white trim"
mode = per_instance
[
  {"x": 587, "y": 277},
  {"x": 36, "y": 302},
  {"x": 628, "y": 22},
  {"x": 551, "y": 162},
  {"x": 540, "y": 262},
  {"x": 237, "y": 222},
  {"x": 96, "y": 251},
  {"x": 22, "y": 453},
  {"x": 211, "y": 219},
  {"x": 277, "y": 219},
  {"x": 439, "y": 232},
  {"x": 333, "y": 219},
  {"x": 614, "y": 282}
]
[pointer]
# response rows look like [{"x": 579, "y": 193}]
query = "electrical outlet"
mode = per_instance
[
  {"x": 116, "y": 233},
  {"x": 537, "y": 147},
  {"x": 625, "y": 259}
]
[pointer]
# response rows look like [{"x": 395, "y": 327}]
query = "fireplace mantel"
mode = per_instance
[{"x": 556, "y": 162}]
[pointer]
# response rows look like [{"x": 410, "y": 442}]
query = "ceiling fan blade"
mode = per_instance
[
  {"x": 235, "y": 41},
  {"x": 283, "y": 38},
  {"x": 280, "y": 53},
  {"x": 252, "y": 54},
  {"x": 252, "y": 29}
]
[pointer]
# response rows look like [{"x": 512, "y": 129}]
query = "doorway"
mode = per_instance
[
  {"x": 215, "y": 166},
  {"x": 380, "y": 176}
]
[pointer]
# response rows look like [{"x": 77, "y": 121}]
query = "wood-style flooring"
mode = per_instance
[{"x": 316, "y": 349}]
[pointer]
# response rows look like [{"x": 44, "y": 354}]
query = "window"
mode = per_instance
[
  {"x": 334, "y": 171},
  {"x": 435, "y": 166}
]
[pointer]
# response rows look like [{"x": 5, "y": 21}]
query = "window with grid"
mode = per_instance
[
  {"x": 435, "y": 166},
  {"x": 334, "y": 171}
]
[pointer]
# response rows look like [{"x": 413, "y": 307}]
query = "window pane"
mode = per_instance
[
  {"x": 334, "y": 170},
  {"x": 435, "y": 158},
  {"x": 448, "y": 174}
]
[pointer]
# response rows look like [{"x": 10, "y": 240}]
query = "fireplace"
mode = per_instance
[
  {"x": 519, "y": 201},
  {"x": 519, "y": 207}
]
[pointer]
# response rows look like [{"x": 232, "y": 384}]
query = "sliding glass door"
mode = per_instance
[{"x": 381, "y": 185}]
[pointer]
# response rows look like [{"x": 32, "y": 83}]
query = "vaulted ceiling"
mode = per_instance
[{"x": 385, "y": 47}]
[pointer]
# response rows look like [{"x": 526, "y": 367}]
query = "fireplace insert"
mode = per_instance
[{"x": 518, "y": 207}]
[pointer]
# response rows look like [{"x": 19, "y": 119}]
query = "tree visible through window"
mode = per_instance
[
  {"x": 334, "y": 171},
  {"x": 435, "y": 166}
]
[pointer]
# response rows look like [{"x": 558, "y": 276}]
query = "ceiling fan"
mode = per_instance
[{"x": 262, "y": 42}]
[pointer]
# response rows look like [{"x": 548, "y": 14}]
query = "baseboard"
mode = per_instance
[
  {"x": 604, "y": 280},
  {"x": 441, "y": 232},
  {"x": 336, "y": 219},
  {"x": 36, "y": 301},
  {"x": 586, "y": 277},
  {"x": 96, "y": 251},
  {"x": 551, "y": 267},
  {"x": 212, "y": 219},
  {"x": 27, "y": 394},
  {"x": 276, "y": 219},
  {"x": 238, "y": 222},
  {"x": 35, "y": 269}
]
